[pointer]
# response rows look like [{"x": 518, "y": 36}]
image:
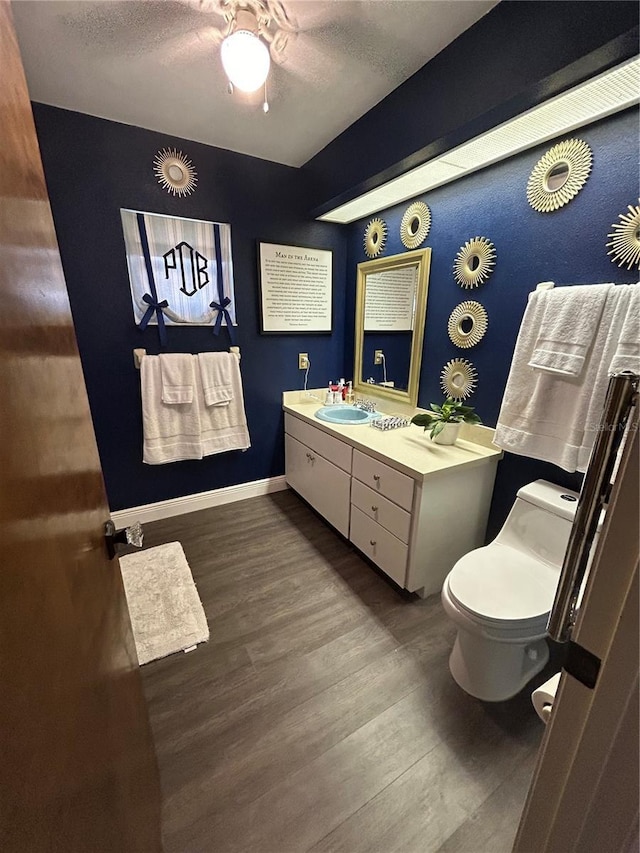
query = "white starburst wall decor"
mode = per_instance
[
  {"x": 559, "y": 175},
  {"x": 467, "y": 324},
  {"x": 415, "y": 225},
  {"x": 625, "y": 239},
  {"x": 175, "y": 172},
  {"x": 458, "y": 379},
  {"x": 474, "y": 262},
  {"x": 375, "y": 236}
]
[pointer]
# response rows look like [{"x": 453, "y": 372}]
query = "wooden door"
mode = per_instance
[{"x": 77, "y": 767}]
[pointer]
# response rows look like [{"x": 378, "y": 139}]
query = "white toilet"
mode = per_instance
[{"x": 500, "y": 596}]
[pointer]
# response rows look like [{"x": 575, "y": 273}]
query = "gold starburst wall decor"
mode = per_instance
[
  {"x": 559, "y": 175},
  {"x": 474, "y": 262},
  {"x": 625, "y": 239},
  {"x": 175, "y": 172},
  {"x": 375, "y": 236},
  {"x": 467, "y": 324},
  {"x": 415, "y": 225},
  {"x": 458, "y": 379}
]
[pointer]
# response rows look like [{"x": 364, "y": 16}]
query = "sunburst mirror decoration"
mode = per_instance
[
  {"x": 458, "y": 379},
  {"x": 467, "y": 324},
  {"x": 559, "y": 175},
  {"x": 474, "y": 262},
  {"x": 375, "y": 236},
  {"x": 415, "y": 225},
  {"x": 175, "y": 172},
  {"x": 625, "y": 239}
]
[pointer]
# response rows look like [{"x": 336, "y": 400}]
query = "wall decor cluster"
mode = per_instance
[
  {"x": 375, "y": 236},
  {"x": 415, "y": 225},
  {"x": 474, "y": 262},
  {"x": 467, "y": 324},
  {"x": 175, "y": 172},
  {"x": 559, "y": 175},
  {"x": 458, "y": 379},
  {"x": 180, "y": 272},
  {"x": 625, "y": 239}
]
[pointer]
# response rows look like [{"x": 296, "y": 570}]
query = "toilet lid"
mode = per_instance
[{"x": 497, "y": 582}]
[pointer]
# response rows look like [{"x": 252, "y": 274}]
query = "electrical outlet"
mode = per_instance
[
  {"x": 303, "y": 360},
  {"x": 378, "y": 356}
]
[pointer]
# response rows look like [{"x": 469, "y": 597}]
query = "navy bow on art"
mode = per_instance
[{"x": 223, "y": 301}]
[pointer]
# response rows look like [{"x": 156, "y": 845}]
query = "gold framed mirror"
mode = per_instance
[{"x": 391, "y": 304}]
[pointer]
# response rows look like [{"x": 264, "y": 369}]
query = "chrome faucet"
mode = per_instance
[{"x": 365, "y": 405}]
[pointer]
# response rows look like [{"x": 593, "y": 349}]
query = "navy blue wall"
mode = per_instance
[
  {"x": 517, "y": 55},
  {"x": 95, "y": 167},
  {"x": 567, "y": 246}
]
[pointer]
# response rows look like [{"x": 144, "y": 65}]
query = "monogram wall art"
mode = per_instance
[{"x": 180, "y": 271}]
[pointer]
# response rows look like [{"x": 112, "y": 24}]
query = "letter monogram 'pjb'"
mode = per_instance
[{"x": 191, "y": 261}]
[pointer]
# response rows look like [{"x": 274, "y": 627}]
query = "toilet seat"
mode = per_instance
[{"x": 498, "y": 584}]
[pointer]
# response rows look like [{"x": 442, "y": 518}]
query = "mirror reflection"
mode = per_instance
[{"x": 390, "y": 314}]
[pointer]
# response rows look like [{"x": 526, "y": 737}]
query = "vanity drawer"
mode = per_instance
[
  {"x": 333, "y": 449},
  {"x": 383, "y": 479},
  {"x": 386, "y": 513},
  {"x": 380, "y": 546}
]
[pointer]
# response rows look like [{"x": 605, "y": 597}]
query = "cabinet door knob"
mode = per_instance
[
  {"x": 374, "y": 509},
  {"x": 372, "y": 542},
  {"x": 376, "y": 477}
]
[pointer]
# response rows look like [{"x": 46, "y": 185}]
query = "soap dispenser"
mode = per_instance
[{"x": 329, "y": 398}]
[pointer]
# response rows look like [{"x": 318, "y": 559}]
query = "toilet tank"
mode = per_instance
[{"x": 540, "y": 521}]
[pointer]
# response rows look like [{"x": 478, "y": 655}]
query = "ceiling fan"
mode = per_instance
[{"x": 253, "y": 33}]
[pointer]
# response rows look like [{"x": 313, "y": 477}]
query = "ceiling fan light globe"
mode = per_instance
[{"x": 245, "y": 59}]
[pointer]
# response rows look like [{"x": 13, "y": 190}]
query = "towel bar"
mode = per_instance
[{"x": 139, "y": 354}]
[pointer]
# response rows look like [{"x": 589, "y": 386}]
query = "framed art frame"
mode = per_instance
[{"x": 296, "y": 284}]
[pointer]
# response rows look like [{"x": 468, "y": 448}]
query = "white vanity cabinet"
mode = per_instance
[
  {"x": 413, "y": 514},
  {"x": 318, "y": 467}
]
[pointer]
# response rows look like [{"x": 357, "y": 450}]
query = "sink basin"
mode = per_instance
[{"x": 342, "y": 414}]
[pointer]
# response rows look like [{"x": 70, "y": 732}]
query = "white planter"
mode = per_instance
[{"x": 448, "y": 435}]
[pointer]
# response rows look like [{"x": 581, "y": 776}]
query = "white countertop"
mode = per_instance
[{"x": 408, "y": 449}]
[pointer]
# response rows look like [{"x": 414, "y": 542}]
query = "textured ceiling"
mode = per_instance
[{"x": 156, "y": 65}]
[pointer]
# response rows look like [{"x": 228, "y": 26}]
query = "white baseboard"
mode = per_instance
[{"x": 201, "y": 500}]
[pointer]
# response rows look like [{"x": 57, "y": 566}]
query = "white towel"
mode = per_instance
[
  {"x": 177, "y": 371},
  {"x": 552, "y": 416},
  {"x": 225, "y": 427},
  {"x": 216, "y": 377},
  {"x": 171, "y": 431},
  {"x": 627, "y": 356},
  {"x": 567, "y": 328}
]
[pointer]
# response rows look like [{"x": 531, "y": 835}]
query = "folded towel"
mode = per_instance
[
  {"x": 553, "y": 416},
  {"x": 567, "y": 327},
  {"x": 171, "y": 431},
  {"x": 225, "y": 427},
  {"x": 216, "y": 376},
  {"x": 627, "y": 355},
  {"x": 178, "y": 377}
]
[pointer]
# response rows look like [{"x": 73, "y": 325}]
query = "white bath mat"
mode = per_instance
[{"x": 166, "y": 612}]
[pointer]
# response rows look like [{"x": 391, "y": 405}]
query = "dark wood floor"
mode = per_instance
[{"x": 321, "y": 714}]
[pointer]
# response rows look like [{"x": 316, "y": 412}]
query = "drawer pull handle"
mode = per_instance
[
  {"x": 374, "y": 509},
  {"x": 376, "y": 477},
  {"x": 372, "y": 542}
]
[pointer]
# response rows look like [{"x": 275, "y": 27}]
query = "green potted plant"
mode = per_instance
[{"x": 443, "y": 422}]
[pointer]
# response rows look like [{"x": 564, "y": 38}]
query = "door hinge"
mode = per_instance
[{"x": 582, "y": 664}]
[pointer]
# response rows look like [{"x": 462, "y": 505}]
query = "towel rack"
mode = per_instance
[{"x": 139, "y": 354}]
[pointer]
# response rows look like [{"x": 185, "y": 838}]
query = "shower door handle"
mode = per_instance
[{"x": 132, "y": 535}]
